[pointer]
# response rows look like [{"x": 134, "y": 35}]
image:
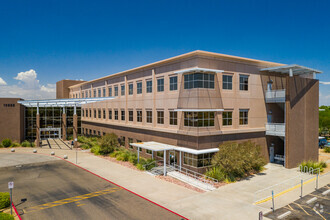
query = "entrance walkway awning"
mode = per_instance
[
  {"x": 156, "y": 146},
  {"x": 62, "y": 102}
]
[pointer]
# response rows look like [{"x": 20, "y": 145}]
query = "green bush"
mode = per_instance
[
  {"x": 84, "y": 146},
  {"x": 15, "y": 144},
  {"x": 327, "y": 149},
  {"x": 26, "y": 144},
  {"x": 132, "y": 158},
  {"x": 314, "y": 165},
  {"x": 236, "y": 160},
  {"x": 6, "y": 142},
  {"x": 1, "y": 146},
  {"x": 6, "y": 216},
  {"x": 123, "y": 155},
  {"x": 4, "y": 200},
  {"x": 108, "y": 143},
  {"x": 139, "y": 166},
  {"x": 96, "y": 150}
]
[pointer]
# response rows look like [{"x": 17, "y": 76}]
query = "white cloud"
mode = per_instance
[
  {"x": 2, "y": 82},
  {"x": 325, "y": 83},
  {"x": 28, "y": 87}
]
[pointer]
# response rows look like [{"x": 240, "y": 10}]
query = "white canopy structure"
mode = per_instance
[
  {"x": 292, "y": 69},
  {"x": 156, "y": 146},
  {"x": 198, "y": 70},
  {"x": 62, "y": 102}
]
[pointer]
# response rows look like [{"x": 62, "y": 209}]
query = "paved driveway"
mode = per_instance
[{"x": 55, "y": 189}]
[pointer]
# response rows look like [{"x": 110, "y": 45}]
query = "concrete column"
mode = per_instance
[
  {"x": 180, "y": 160},
  {"x": 75, "y": 126},
  {"x": 64, "y": 126},
  {"x": 37, "y": 143},
  {"x": 164, "y": 162},
  {"x": 138, "y": 157}
]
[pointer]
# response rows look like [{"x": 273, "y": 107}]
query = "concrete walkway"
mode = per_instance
[{"x": 232, "y": 201}]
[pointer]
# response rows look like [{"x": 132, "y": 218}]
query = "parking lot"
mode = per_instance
[
  {"x": 56, "y": 189},
  {"x": 315, "y": 205}
]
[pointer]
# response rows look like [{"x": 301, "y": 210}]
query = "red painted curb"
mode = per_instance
[
  {"x": 112, "y": 183},
  {"x": 16, "y": 212}
]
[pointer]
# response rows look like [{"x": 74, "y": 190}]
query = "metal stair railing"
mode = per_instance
[{"x": 198, "y": 176}]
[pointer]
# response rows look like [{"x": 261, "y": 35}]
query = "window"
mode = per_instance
[
  {"x": 123, "y": 115},
  {"x": 200, "y": 160},
  {"x": 160, "y": 154},
  {"x": 94, "y": 132},
  {"x": 243, "y": 82},
  {"x": 160, "y": 85},
  {"x": 243, "y": 116},
  {"x": 110, "y": 91},
  {"x": 130, "y": 140},
  {"x": 149, "y": 86},
  {"x": 227, "y": 82},
  {"x": 99, "y": 92},
  {"x": 227, "y": 118},
  {"x": 99, "y": 133},
  {"x": 173, "y": 118},
  {"x": 130, "y": 115},
  {"x": 116, "y": 114},
  {"x": 82, "y": 95},
  {"x": 123, "y": 141},
  {"x": 173, "y": 83},
  {"x": 116, "y": 90},
  {"x": 104, "y": 116},
  {"x": 130, "y": 89},
  {"x": 149, "y": 152},
  {"x": 139, "y": 116},
  {"x": 90, "y": 95},
  {"x": 99, "y": 113},
  {"x": 139, "y": 87},
  {"x": 199, "y": 80},
  {"x": 94, "y": 93},
  {"x": 199, "y": 119},
  {"x": 160, "y": 117},
  {"x": 94, "y": 113},
  {"x": 122, "y": 90},
  {"x": 149, "y": 116},
  {"x": 90, "y": 112},
  {"x": 104, "y": 95},
  {"x": 86, "y": 94},
  {"x": 110, "y": 114}
]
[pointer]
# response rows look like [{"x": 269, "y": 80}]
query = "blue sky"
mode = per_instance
[{"x": 47, "y": 41}]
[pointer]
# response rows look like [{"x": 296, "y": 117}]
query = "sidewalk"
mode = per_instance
[{"x": 232, "y": 201}]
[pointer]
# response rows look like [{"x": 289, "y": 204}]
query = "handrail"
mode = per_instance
[{"x": 194, "y": 174}]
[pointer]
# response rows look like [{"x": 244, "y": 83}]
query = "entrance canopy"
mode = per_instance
[
  {"x": 156, "y": 146},
  {"x": 62, "y": 102}
]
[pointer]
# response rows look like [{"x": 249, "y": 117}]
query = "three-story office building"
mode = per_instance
[{"x": 200, "y": 99}]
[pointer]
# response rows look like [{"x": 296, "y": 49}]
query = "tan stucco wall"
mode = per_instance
[{"x": 11, "y": 120}]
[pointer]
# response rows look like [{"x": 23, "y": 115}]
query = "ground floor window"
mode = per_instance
[
  {"x": 122, "y": 141},
  {"x": 130, "y": 140},
  {"x": 149, "y": 151},
  {"x": 243, "y": 116},
  {"x": 200, "y": 160},
  {"x": 160, "y": 154}
]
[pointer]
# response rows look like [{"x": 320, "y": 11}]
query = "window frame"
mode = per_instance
[
  {"x": 244, "y": 117},
  {"x": 199, "y": 80},
  {"x": 160, "y": 117},
  {"x": 130, "y": 115},
  {"x": 139, "y": 116},
  {"x": 160, "y": 87},
  {"x": 243, "y": 86},
  {"x": 149, "y": 87},
  {"x": 149, "y": 117},
  {"x": 130, "y": 88},
  {"x": 227, "y": 84},
  {"x": 173, "y": 117},
  {"x": 227, "y": 119},
  {"x": 173, "y": 85},
  {"x": 139, "y": 87},
  {"x": 122, "y": 89}
]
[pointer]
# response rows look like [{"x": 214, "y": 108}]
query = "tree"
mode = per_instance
[{"x": 108, "y": 143}]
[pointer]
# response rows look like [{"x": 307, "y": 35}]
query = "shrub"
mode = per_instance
[
  {"x": 313, "y": 164},
  {"x": 133, "y": 158},
  {"x": 6, "y": 216},
  {"x": 327, "y": 149},
  {"x": 1, "y": 146},
  {"x": 26, "y": 144},
  {"x": 123, "y": 156},
  {"x": 96, "y": 150},
  {"x": 15, "y": 144},
  {"x": 108, "y": 143},
  {"x": 6, "y": 142},
  {"x": 236, "y": 160},
  {"x": 4, "y": 200},
  {"x": 139, "y": 166},
  {"x": 82, "y": 139}
]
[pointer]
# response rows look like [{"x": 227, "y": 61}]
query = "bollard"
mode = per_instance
[
  {"x": 34, "y": 151},
  {"x": 273, "y": 201},
  {"x": 317, "y": 180},
  {"x": 65, "y": 157},
  {"x": 302, "y": 183},
  {"x": 52, "y": 153},
  {"x": 12, "y": 150}
]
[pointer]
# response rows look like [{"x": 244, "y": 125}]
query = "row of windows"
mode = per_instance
[
  {"x": 191, "y": 119},
  {"x": 191, "y": 81},
  {"x": 9, "y": 105},
  {"x": 173, "y": 120}
]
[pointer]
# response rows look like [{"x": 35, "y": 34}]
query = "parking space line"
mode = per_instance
[
  {"x": 303, "y": 209},
  {"x": 290, "y": 207},
  {"x": 319, "y": 214},
  {"x": 321, "y": 197},
  {"x": 71, "y": 200}
]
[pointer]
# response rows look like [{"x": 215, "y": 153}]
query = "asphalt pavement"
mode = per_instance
[{"x": 56, "y": 189}]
